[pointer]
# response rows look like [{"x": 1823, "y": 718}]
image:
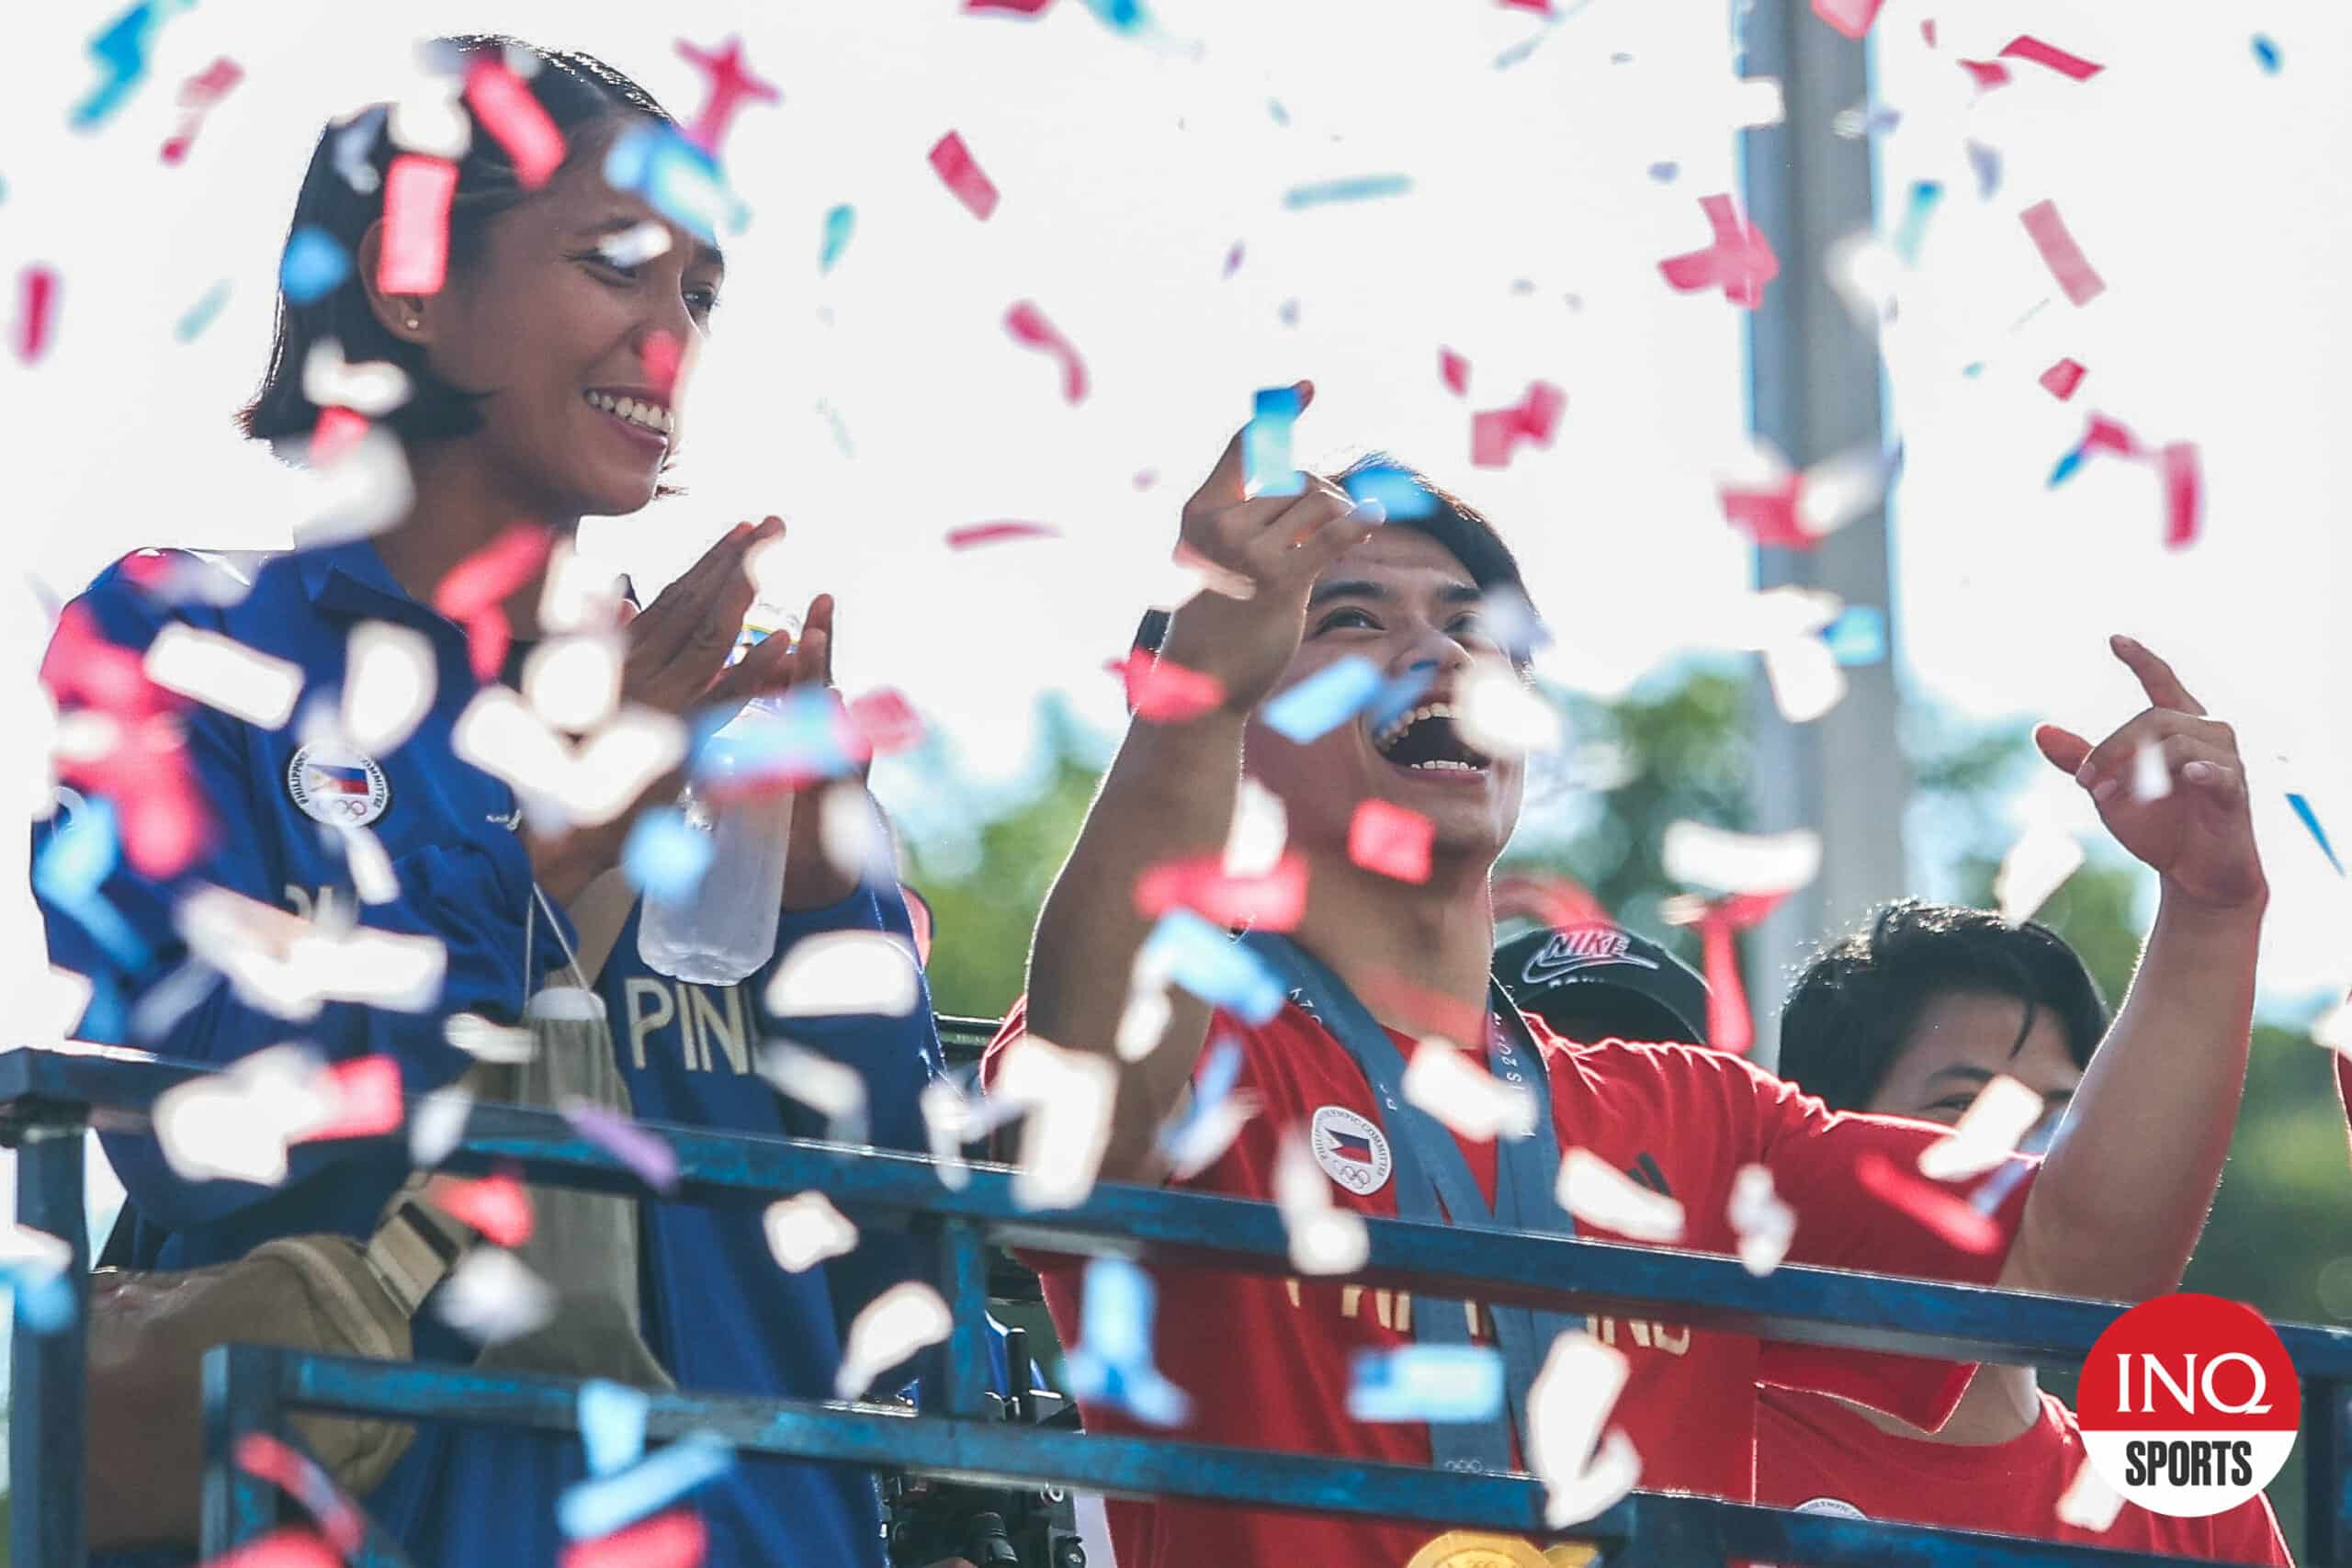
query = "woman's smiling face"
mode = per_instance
[{"x": 578, "y": 352}]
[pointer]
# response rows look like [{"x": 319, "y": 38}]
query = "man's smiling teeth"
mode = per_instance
[
  {"x": 652, "y": 416},
  {"x": 1393, "y": 730}
]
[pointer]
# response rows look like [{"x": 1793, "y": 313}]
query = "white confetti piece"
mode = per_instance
[
  {"x": 1806, "y": 678},
  {"x": 388, "y": 685},
  {"x": 236, "y": 1125},
  {"x": 289, "y": 966},
  {"x": 1988, "y": 1132},
  {"x": 1324, "y": 1238},
  {"x": 436, "y": 1124},
  {"x": 59, "y": 999},
  {"x": 1840, "y": 489},
  {"x": 372, "y": 877},
  {"x": 222, "y": 672},
  {"x": 362, "y": 491},
  {"x": 1764, "y": 1225},
  {"x": 1260, "y": 830},
  {"x": 835, "y": 972},
  {"x": 1502, "y": 715},
  {"x": 489, "y": 1041},
  {"x": 1756, "y": 101},
  {"x": 612, "y": 1424},
  {"x": 1143, "y": 1021},
  {"x": 1194, "y": 1145},
  {"x": 2037, "y": 865},
  {"x": 806, "y": 1229},
  {"x": 574, "y": 683},
  {"x": 855, "y": 844},
  {"x": 894, "y": 1325},
  {"x": 503, "y": 735},
  {"x": 2333, "y": 1027},
  {"x": 565, "y": 1004},
  {"x": 1600, "y": 1194},
  {"x": 431, "y": 123},
  {"x": 770, "y": 567},
  {"x": 85, "y": 737},
  {"x": 374, "y": 387},
  {"x": 1567, "y": 1406},
  {"x": 2089, "y": 1503},
  {"x": 636, "y": 246},
  {"x": 2151, "y": 780},
  {"x": 1066, "y": 1097},
  {"x": 1442, "y": 1080},
  {"x": 831, "y": 1089},
  {"x": 1698, "y": 856},
  {"x": 580, "y": 594},
  {"x": 29, "y": 1254},
  {"x": 492, "y": 1297},
  {"x": 946, "y": 1111}
]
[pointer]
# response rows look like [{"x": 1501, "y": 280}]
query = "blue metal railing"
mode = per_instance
[{"x": 48, "y": 1096}]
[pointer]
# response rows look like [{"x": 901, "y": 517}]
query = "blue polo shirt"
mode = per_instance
[{"x": 718, "y": 1312}]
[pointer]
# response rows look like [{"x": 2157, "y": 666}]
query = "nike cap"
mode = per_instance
[{"x": 1600, "y": 982}]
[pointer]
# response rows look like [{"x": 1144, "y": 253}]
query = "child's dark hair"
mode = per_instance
[
  {"x": 577, "y": 91},
  {"x": 1850, "y": 1013},
  {"x": 1452, "y": 521}
]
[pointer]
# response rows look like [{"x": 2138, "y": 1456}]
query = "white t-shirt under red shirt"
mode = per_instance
[{"x": 1267, "y": 1362}]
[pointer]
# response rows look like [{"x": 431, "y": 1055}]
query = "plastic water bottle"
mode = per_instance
[{"x": 724, "y": 928}]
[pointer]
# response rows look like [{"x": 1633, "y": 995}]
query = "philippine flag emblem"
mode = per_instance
[
  {"x": 1351, "y": 1148},
  {"x": 338, "y": 786}
]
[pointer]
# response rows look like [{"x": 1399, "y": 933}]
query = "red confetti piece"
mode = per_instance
[
  {"x": 496, "y": 1205},
  {"x": 887, "y": 720},
  {"x": 1852, "y": 17},
  {"x": 1146, "y": 479},
  {"x": 2184, "y": 495},
  {"x": 973, "y": 534},
  {"x": 1011, "y": 7},
  {"x": 1233, "y": 259},
  {"x": 1557, "y": 903},
  {"x": 39, "y": 287},
  {"x": 674, "y": 1539},
  {"x": 164, "y": 822},
  {"x": 261, "y": 1454},
  {"x": 1028, "y": 325},
  {"x": 280, "y": 1548},
  {"x": 1160, "y": 691},
  {"x": 477, "y": 587},
  {"x": 954, "y": 161},
  {"x": 1454, "y": 371},
  {"x": 511, "y": 112},
  {"x": 1952, "y": 1218},
  {"x": 1740, "y": 260},
  {"x": 661, "y": 355},
  {"x": 2061, "y": 255},
  {"x": 415, "y": 258},
  {"x": 731, "y": 85},
  {"x": 1730, "y": 1027},
  {"x": 337, "y": 431},
  {"x": 367, "y": 1099},
  {"x": 2025, "y": 46},
  {"x": 1768, "y": 516},
  {"x": 1391, "y": 840},
  {"x": 1927, "y": 31},
  {"x": 1988, "y": 72},
  {"x": 2105, "y": 435},
  {"x": 1273, "y": 901},
  {"x": 200, "y": 93},
  {"x": 1495, "y": 435},
  {"x": 2061, "y": 380}
]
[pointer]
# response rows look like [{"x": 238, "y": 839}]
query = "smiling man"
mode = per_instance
[{"x": 1379, "y": 962}]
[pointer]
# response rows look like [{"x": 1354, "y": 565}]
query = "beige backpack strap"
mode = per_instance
[{"x": 414, "y": 1249}]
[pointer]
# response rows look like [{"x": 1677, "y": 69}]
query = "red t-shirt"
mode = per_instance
[
  {"x": 1813, "y": 1453},
  {"x": 1267, "y": 1362}
]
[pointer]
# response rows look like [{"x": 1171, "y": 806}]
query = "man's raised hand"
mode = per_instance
[{"x": 2198, "y": 835}]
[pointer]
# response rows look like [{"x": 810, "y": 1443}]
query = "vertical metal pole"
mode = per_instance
[
  {"x": 2327, "y": 1490},
  {"x": 241, "y": 1395},
  {"x": 1814, "y": 391},
  {"x": 49, "y": 1373},
  {"x": 964, "y": 1280}
]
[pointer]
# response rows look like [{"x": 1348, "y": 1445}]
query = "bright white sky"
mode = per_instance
[{"x": 883, "y": 404}]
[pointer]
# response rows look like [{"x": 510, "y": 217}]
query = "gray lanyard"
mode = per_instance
[{"x": 1434, "y": 1184}]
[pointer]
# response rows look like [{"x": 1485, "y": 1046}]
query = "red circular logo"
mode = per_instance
[{"x": 2188, "y": 1405}]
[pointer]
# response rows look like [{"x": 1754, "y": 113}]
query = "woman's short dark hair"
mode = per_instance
[
  {"x": 578, "y": 91},
  {"x": 1448, "y": 519},
  {"x": 1851, "y": 1014}
]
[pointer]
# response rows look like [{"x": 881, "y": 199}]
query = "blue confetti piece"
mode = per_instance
[
  {"x": 1392, "y": 699},
  {"x": 1119, "y": 16},
  {"x": 657, "y": 164},
  {"x": 839, "y": 224},
  {"x": 1208, "y": 962},
  {"x": 1399, "y": 492},
  {"x": 2311, "y": 820},
  {"x": 44, "y": 1301},
  {"x": 1212, "y": 1080},
  {"x": 800, "y": 732},
  {"x": 1275, "y": 108},
  {"x": 2066, "y": 466},
  {"x": 1925, "y": 195},
  {"x": 665, "y": 856},
  {"x": 1426, "y": 1382},
  {"x": 1324, "y": 701},
  {"x": 1360, "y": 187},
  {"x": 612, "y": 1426},
  {"x": 314, "y": 266},
  {"x": 2265, "y": 53},
  {"x": 199, "y": 315},
  {"x": 121, "y": 51},
  {"x": 71, "y": 868},
  {"x": 599, "y": 1507},
  {"x": 1266, "y": 466},
  {"x": 1858, "y": 635},
  {"x": 1112, "y": 1363},
  {"x": 1986, "y": 161}
]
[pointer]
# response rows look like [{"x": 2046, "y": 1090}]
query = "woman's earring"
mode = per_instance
[{"x": 414, "y": 322}]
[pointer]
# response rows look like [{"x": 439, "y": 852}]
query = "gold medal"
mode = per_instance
[{"x": 1472, "y": 1548}]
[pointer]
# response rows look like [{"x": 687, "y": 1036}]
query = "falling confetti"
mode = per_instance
[
  {"x": 1266, "y": 465},
  {"x": 833, "y": 1090},
  {"x": 1393, "y": 840},
  {"x": 612, "y": 1424},
  {"x": 388, "y": 681},
  {"x": 653, "y": 1160},
  {"x": 1028, "y": 326},
  {"x": 676, "y": 178},
  {"x": 1454, "y": 371},
  {"x": 267, "y": 1456},
  {"x": 365, "y": 1094},
  {"x": 574, "y": 682},
  {"x": 224, "y": 674},
  {"x": 198, "y": 93},
  {"x": 1426, "y": 1382},
  {"x": 1568, "y": 1406},
  {"x": 2302, "y": 809},
  {"x": 1858, "y": 635},
  {"x": 1951, "y": 1218},
  {"x": 286, "y": 1548},
  {"x": 38, "y": 287},
  {"x": 490, "y": 1297},
  {"x": 1764, "y": 1225},
  {"x": 972, "y": 534},
  {"x": 2061, "y": 253},
  {"x": 1160, "y": 691},
  {"x": 438, "y": 1124},
  {"x": 804, "y": 1230},
  {"x": 956, "y": 170},
  {"x": 2025, "y": 46},
  {"x": 635, "y": 245},
  {"x": 1852, "y": 17},
  {"x": 121, "y": 51},
  {"x": 1273, "y": 899},
  {"x": 1324, "y": 1238},
  {"x": 2265, "y": 54},
  {"x": 1232, "y": 260},
  {"x": 1360, "y": 187},
  {"x": 2037, "y": 865},
  {"x": 1313, "y": 708},
  {"x": 496, "y": 1205},
  {"x": 2061, "y": 380},
  {"x": 1740, "y": 260},
  {"x": 674, "y": 1539},
  {"x": 1988, "y": 1132},
  {"x": 2151, "y": 780},
  {"x": 841, "y": 222},
  {"x": 1066, "y": 1097},
  {"x": 1925, "y": 195},
  {"x": 2184, "y": 493},
  {"x": 511, "y": 112},
  {"x": 1443, "y": 1080},
  {"x": 200, "y": 315},
  {"x": 731, "y": 85},
  {"x": 601, "y": 1505},
  {"x": 2089, "y": 1503},
  {"x": 842, "y": 972},
  {"x": 1599, "y": 1195},
  {"x": 1208, "y": 962},
  {"x": 1700, "y": 856},
  {"x": 1399, "y": 493},
  {"x": 417, "y": 192},
  {"x": 894, "y": 1325},
  {"x": 1495, "y": 434},
  {"x": 476, "y": 589},
  {"x": 1216, "y": 1114},
  {"x": 1111, "y": 1362},
  {"x": 372, "y": 389}
]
